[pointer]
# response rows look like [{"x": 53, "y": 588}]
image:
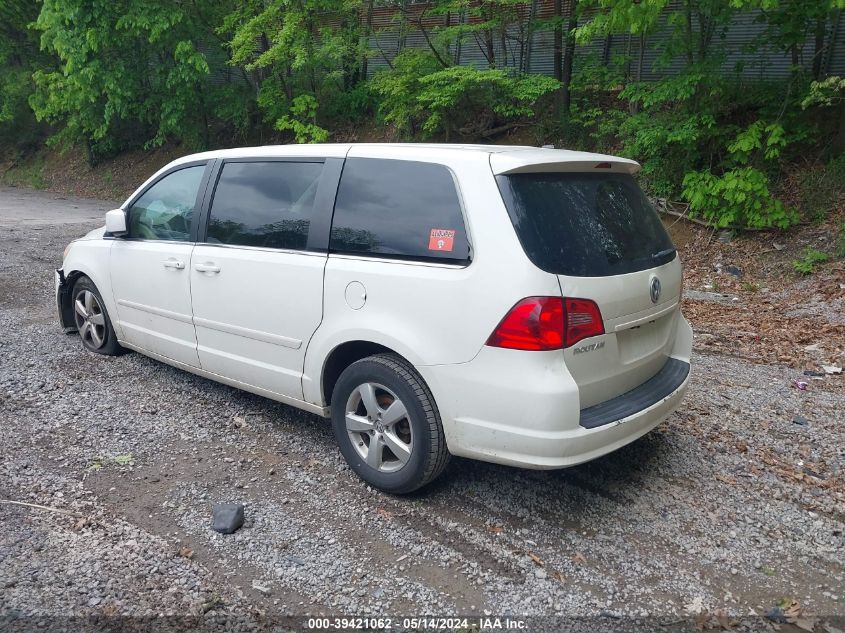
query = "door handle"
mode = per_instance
[
  {"x": 173, "y": 263},
  {"x": 208, "y": 267}
]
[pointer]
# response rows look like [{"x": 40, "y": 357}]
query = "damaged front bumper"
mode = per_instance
[{"x": 64, "y": 305}]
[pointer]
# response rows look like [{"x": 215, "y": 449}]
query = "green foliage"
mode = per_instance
[
  {"x": 126, "y": 73},
  {"x": 827, "y": 92},
  {"x": 416, "y": 95},
  {"x": 758, "y": 138},
  {"x": 114, "y": 75},
  {"x": 301, "y": 120},
  {"x": 19, "y": 58},
  {"x": 811, "y": 258},
  {"x": 739, "y": 197},
  {"x": 295, "y": 55},
  {"x": 398, "y": 88}
]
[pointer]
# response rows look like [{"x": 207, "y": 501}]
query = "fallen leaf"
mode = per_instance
[
  {"x": 537, "y": 560},
  {"x": 186, "y": 552},
  {"x": 579, "y": 559},
  {"x": 382, "y": 511},
  {"x": 725, "y": 621},
  {"x": 82, "y": 523},
  {"x": 495, "y": 529},
  {"x": 728, "y": 479}
]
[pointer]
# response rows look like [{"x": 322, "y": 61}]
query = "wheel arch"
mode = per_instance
[
  {"x": 341, "y": 357},
  {"x": 69, "y": 280}
]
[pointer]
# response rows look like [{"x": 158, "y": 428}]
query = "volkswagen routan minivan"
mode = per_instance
[{"x": 509, "y": 304}]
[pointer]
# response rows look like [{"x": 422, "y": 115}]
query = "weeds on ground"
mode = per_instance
[
  {"x": 819, "y": 189},
  {"x": 809, "y": 260},
  {"x": 25, "y": 174}
]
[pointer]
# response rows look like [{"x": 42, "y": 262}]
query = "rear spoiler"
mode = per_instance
[{"x": 558, "y": 160}]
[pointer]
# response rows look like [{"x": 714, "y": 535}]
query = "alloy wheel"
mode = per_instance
[
  {"x": 378, "y": 427},
  {"x": 90, "y": 319}
]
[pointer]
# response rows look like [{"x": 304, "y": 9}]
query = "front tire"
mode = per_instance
[
  {"x": 387, "y": 425},
  {"x": 92, "y": 320}
]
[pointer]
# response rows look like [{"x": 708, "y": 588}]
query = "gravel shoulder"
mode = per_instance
[{"x": 735, "y": 505}]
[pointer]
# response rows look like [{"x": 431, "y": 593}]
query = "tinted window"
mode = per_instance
[
  {"x": 587, "y": 225},
  {"x": 166, "y": 209},
  {"x": 264, "y": 204},
  {"x": 398, "y": 209}
]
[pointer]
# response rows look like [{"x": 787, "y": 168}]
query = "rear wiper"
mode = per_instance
[{"x": 663, "y": 253}]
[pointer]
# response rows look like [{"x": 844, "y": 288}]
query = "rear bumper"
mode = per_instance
[{"x": 523, "y": 410}]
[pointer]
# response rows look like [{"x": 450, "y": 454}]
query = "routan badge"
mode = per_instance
[{"x": 441, "y": 240}]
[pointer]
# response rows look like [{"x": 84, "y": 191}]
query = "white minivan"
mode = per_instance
[{"x": 510, "y": 304}]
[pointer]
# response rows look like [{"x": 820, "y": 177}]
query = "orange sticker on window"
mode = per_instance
[{"x": 441, "y": 240}]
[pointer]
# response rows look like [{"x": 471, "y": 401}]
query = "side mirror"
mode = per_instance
[{"x": 116, "y": 223}]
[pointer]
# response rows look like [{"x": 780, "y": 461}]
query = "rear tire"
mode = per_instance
[
  {"x": 92, "y": 320},
  {"x": 387, "y": 424}
]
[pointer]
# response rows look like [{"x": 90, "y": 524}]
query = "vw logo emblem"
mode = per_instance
[{"x": 654, "y": 290}]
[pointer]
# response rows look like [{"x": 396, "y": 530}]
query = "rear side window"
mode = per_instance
[
  {"x": 402, "y": 209},
  {"x": 584, "y": 224},
  {"x": 265, "y": 204}
]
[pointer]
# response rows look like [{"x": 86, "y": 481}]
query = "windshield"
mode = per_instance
[{"x": 585, "y": 224}]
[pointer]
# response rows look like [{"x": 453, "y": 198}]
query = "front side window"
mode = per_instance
[
  {"x": 402, "y": 209},
  {"x": 264, "y": 204},
  {"x": 165, "y": 210}
]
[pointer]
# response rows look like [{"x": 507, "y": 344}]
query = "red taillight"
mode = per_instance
[
  {"x": 547, "y": 323},
  {"x": 583, "y": 320},
  {"x": 535, "y": 323}
]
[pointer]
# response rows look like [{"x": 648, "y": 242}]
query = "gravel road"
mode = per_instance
[{"x": 732, "y": 508}]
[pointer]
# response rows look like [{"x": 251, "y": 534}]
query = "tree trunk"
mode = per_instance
[
  {"x": 641, "y": 58},
  {"x": 491, "y": 47},
  {"x": 558, "y": 40},
  {"x": 818, "y": 52},
  {"x": 634, "y": 107},
  {"x": 839, "y": 142},
  {"x": 458, "y": 42},
  {"x": 403, "y": 26},
  {"x": 366, "y": 40},
  {"x": 608, "y": 46},
  {"x": 568, "y": 58}
]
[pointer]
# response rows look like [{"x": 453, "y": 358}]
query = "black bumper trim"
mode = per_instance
[{"x": 662, "y": 384}]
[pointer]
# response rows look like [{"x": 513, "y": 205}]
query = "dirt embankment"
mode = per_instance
[
  {"x": 745, "y": 298},
  {"x": 68, "y": 172}
]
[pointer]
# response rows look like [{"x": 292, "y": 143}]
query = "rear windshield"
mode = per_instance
[{"x": 585, "y": 225}]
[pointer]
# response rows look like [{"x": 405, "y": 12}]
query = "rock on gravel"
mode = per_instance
[{"x": 227, "y": 517}]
